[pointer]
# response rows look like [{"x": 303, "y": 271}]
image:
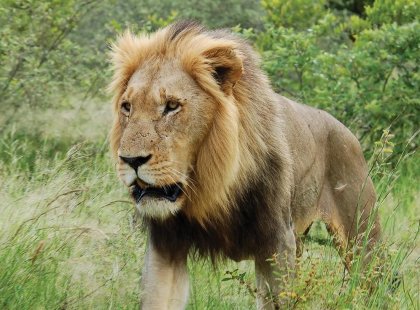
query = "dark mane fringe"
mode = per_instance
[
  {"x": 184, "y": 27},
  {"x": 250, "y": 229}
]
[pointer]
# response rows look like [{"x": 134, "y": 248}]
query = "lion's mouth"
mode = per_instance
[{"x": 170, "y": 192}]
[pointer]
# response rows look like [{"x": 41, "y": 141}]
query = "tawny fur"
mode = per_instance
[{"x": 257, "y": 166}]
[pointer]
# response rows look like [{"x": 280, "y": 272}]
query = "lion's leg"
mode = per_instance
[
  {"x": 361, "y": 233},
  {"x": 352, "y": 220},
  {"x": 348, "y": 197},
  {"x": 164, "y": 282},
  {"x": 274, "y": 273}
]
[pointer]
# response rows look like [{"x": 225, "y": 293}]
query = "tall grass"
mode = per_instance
[{"x": 69, "y": 239}]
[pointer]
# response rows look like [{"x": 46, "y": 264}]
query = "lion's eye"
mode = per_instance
[
  {"x": 126, "y": 108},
  {"x": 171, "y": 105}
]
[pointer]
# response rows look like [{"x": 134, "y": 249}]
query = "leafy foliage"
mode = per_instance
[
  {"x": 395, "y": 11},
  {"x": 298, "y": 14},
  {"x": 364, "y": 74},
  {"x": 37, "y": 58}
]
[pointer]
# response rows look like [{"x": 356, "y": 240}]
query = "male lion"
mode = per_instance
[{"x": 219, "y": 164}]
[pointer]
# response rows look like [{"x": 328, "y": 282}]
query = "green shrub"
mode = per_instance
[
  {"x": 366, "y": 76},
  {"x": 37, "y": 58},
  {"x": 393, "y": 11},
  {"x": 298, "y": 14}
]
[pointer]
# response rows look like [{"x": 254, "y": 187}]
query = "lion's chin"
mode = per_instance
[{"x": 157, "y": 208}]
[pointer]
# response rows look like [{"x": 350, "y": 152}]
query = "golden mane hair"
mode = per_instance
[{"x": 234, "y": 149}]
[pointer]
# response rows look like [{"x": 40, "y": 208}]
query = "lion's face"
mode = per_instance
[
  {"x": 176, "y": 132},
  {"x": 164, "y": 116}
]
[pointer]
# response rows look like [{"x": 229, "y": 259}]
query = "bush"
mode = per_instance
[
  {"x": 395, "y": 11},
  {"x": 366, "y": 76},
  {"x": 298, "y": 14},
  {"x": 37, "y": 57}
]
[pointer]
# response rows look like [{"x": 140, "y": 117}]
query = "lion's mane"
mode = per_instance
[{"x": 238, "y": 163}]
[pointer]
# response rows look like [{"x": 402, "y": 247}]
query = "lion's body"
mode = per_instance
[
  {"x": 257, "y": 168},
  {"x": 328, "y": 174},
  {"x": 331, "y": 181}
]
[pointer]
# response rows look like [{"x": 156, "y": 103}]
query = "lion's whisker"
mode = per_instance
[
  {"x": 193, "y": 189},
  {"x": 191, "y": 186},
  {"x": 182, "y": 175},
  {"x": 178, "y": 162}
]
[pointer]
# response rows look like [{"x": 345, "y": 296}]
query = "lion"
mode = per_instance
[{"x": 220, "y": 166}]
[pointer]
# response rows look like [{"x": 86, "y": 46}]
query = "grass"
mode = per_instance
[{"x": 69, "y": 240}]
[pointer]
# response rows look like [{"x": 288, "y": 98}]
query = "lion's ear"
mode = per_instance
[{"x": 226, "y": 66}]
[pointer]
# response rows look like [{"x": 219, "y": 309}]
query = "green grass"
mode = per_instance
[{"x": 69, "y": 240}]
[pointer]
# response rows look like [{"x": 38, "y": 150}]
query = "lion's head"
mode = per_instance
[{"x": 175, "y": 135}]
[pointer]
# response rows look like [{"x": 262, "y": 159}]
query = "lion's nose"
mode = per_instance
[{"x": 135, "y": 162}]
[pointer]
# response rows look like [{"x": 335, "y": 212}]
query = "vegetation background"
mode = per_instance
[{"x": 68, "y": 238}]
